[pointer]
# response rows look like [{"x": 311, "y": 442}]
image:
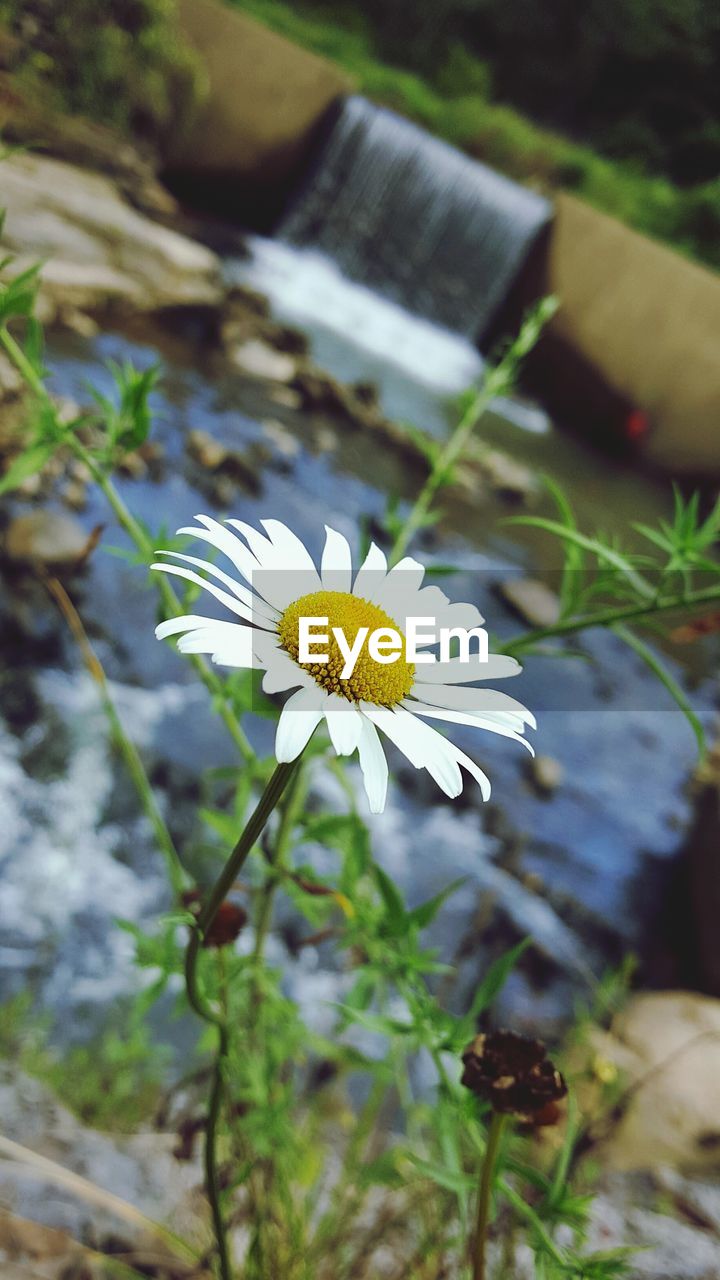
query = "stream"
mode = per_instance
[{"x": 585, "y": 872}]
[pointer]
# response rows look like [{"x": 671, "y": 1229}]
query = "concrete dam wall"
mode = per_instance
[{"x": 633, "y": 351}]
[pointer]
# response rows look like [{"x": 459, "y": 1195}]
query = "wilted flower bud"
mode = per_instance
[
  {"x": 229, "y": 919},
  {"x": 512, "y": 1073}
]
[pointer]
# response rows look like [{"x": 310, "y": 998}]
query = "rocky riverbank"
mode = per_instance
[
  {"x": 109, "y": 264},
  {"x": 100, "y": 1196}
]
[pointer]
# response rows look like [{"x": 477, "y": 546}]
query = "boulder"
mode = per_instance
[
  {"x": 666, "y": 1047},
  {"x": 96, "y": 250},
  {"x": 46, "y": 537},
  {"x": 535, "y": 603}
]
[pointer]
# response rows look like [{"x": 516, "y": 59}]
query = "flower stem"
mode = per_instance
[
  {"x": 497, "y": 381},
  {"x": 611, "y": 617},
  {"x": 497, "y": 1124},
  {"x": 217, "y": 1017},
  {"x": 134, "y": 531},
  {"x": 292, "y": 801}
]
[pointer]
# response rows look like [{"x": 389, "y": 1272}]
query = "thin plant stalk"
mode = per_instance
[
  {"x": 611, "y": 616},
  {"x": 497, "y": 381},
  {"x": 291, "y": 804},
  {"x": 176, "y": 872},
  {"x": 487, "y": 1173},
  {"x": 216, "y": 1017},
  {"x": 137, "y": 535}
]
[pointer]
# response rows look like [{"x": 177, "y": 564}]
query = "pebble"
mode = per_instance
[
  {"x": 46, "y": 536},
  {"x": 532, "y": 600},
  {"x": 261, "y": 361},
  {"x": 546, "y": 773}
]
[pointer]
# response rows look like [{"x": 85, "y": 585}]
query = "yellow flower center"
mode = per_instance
[{"x": 371, "y": 681}]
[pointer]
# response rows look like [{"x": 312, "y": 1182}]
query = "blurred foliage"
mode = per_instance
[
  {"x": 112, "y": 1082},
  {"x": 450, "y": 93},
  {"x": 636, "y": 78},
  {"x": 126, "y": 67}
]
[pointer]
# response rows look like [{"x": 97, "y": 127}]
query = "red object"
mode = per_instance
[{"x": 636, "y": 424}]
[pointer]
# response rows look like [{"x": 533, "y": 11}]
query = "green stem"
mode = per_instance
[
  {"x": 497, "y": 381},
  {"x": 441, "y": 468},
  {"x": 292, "y": 801},
  {"x": 217, "y": 1018},
  {"x": 495, "y": 1132},
  {"x": 137, "y": 534},
  {"x": 225, "y": 881},
  {"x": 610, "y": 617}
]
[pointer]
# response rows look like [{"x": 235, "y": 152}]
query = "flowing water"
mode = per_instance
[
  {"x": 582, "y": 872},
  {"x": 415, "y": 219}
]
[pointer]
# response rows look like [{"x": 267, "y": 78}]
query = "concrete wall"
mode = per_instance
[
  {"x": 650, "y": 320},
  {"x": 267, "y": 98},
  {"x": 639, "y": 326}
]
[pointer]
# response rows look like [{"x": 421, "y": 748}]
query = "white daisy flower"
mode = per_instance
[{"x": 397, "y": 697}]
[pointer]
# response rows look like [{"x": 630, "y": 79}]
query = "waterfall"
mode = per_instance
[{"x": 415, "y": 219}]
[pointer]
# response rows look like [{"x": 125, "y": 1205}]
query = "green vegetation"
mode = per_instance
[
  {"x": 113, "y": 1082},
  {"x": 126, "y": 68},
  {"x": 455, "y": 103}
]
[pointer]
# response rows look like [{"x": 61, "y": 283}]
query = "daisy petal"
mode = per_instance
[
  {"x": 285, "y": 567},
  {"x": 299, "y": 719},
  {"x": 221, "y": 538},
  {"x": 228, "y": 643},
  {"x": 474, "y": 770},
  {"x": 423, "y": 746},
  {"x": 373, "y": 765},
  {"x": 184, "y": 622},
  {"x": 336, "y": 567},
  {"x": 281, "y": 673},
  {"x": 265, "y": 611},
  {"x": 497, "y": 667},
  {"x": 370, "y": 573},
  {"x": 488, "y": 722},
  {"x": 478, "y": 701},
  {"x": 229, "y": 601},
  {"x": 290, "y": 550},
  {"x": 344, "y": 724}
]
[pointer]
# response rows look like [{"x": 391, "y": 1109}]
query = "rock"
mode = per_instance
[
  {"x": 367, "y": 393},
  {"x": 260, "y": 360},
  {"x": 546, "y": 774},
  {"x": 77, "y": 322},
  {"x": 46, "y": 536},
  {"x": 205, "y": 450},
  {"x": 281, "y": 438},
  {"x": 74, "y": 495},
  {"x": 97, "y": 249},
  {"x": 508, "y": 477},
  {"x": 698, "y": 1199},
  {"x": 229, "y": 466},
  {"x": 666, "y": 1045},
  {"x": 532, "y": 601},
  {"x": 138, "y": 1170},
  {"x": 286, "y": 397}
]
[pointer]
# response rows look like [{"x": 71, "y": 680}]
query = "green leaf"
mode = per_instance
[
  {"x": 657, "y": 666},
  {"x": 26, "y": 464},
  {"x": 396, "y": 914},
  {"x": 606, "y": 554},
  {"x": 426, "y": 912},
  {"x": 347, "y": 833},
  {"x": 450, "y": 1179}
]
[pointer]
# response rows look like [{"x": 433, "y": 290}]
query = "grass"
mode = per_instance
[{"x": 456, "y": 106}]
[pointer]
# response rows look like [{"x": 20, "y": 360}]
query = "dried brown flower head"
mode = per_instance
[
  {"x": 229, "y": 920},
  {"x": 514, "y": 1075}
]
